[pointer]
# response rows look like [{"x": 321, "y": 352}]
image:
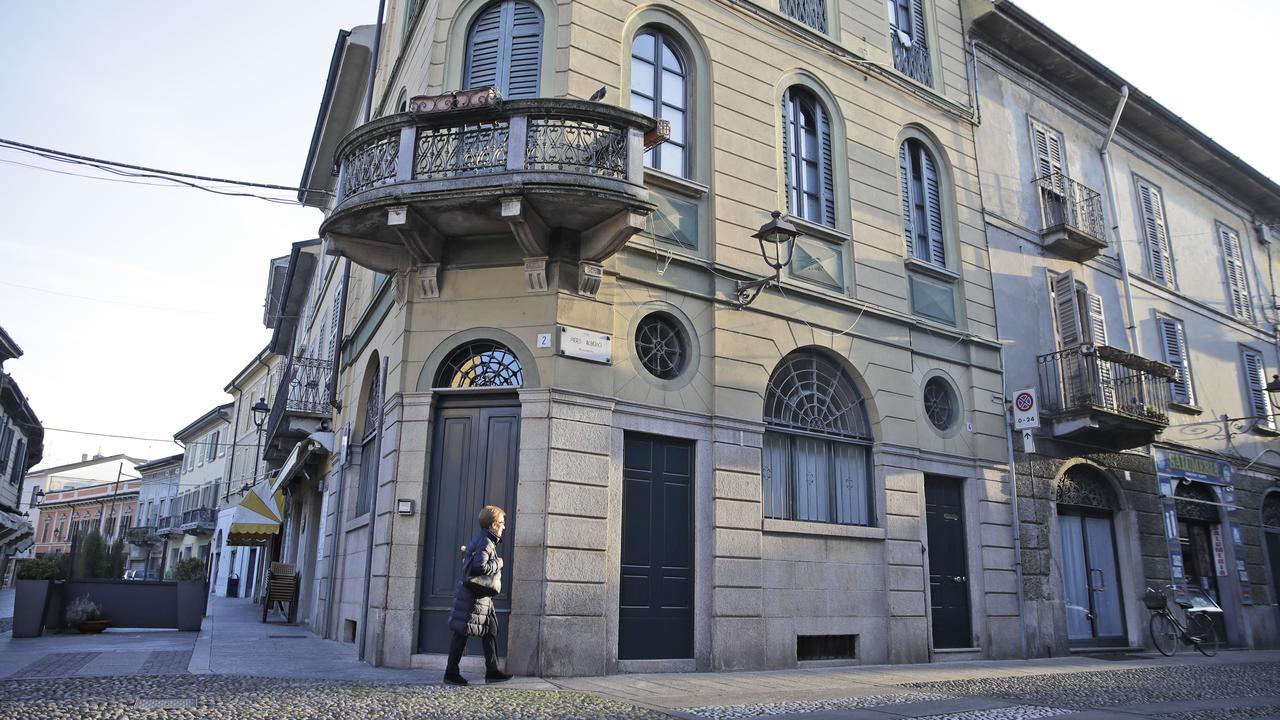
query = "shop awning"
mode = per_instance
[
  {"x": 14, "y": 529},
  {"x": 317, "y": 443},
  {"x": 257, "y": 518}
]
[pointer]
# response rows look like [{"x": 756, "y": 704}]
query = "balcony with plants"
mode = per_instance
[
  {"x": 469, "y": 175},
  {"x": 300, "y": 405},
  {"x": 1105, "y": 396}
]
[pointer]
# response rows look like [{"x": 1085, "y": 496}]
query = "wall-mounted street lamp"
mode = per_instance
[
  {"x": 260, "y": 411},
  {"x": 777, "y": 244},
  {"x": 1273, "y": 391}
]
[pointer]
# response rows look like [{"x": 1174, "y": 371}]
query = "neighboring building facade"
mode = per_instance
[
  {"x": 66, "y": 514},
  {"x": 98, "y": 470},
  {"x": 1136, "y": 288},
  {"x": 241, "y": 556},
  {"x": 298, "y": 438},
  {"x": 188, "y": 518},
  {"x": 21, "y": 447},
  {"x": 158, "y": 484},
  {"x": 542, "y": 314}
]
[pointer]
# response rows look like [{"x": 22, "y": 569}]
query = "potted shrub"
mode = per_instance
[
  {"x": 192, "y": 593},
  {"x": 34, "y": 598},
  {"x": 86, "y": 615}
]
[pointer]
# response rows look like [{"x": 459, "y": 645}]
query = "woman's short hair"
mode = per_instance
[{"x": 489, "y": 515}]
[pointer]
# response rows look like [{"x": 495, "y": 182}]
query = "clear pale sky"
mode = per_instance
[{"x": 136, "y": 304}]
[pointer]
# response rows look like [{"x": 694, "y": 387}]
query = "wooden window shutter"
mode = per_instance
[
  {"x": 933, "y": 209},
  {"x": 1256, "y": 380},
  {"x": 1048, "y": 150},
  {"x": 828, "y": 190},
  {"x": 1156, "y": 234},
  {"x": 504, "y": 49},
  {"x": 1098, "y": 336},
  {"x": 904, "y": 168},
  {"x": 1237, "y": 280},
  {"x": 484, "y": 49},
  {"x": 1067, "y": 309},
  {"x": 525, "y": 51},
  {"x": 918, "y": 30},
  {"x": 790, "y": 162},
  {"x": 1173, "y": 341}
]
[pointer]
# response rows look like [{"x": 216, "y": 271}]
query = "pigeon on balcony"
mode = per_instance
[{"x": 598, "y": 95}]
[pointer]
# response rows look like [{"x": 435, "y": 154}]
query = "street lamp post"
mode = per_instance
[
  {"x": 777, "y": 243},
  {"x": 260, "y": 411}
]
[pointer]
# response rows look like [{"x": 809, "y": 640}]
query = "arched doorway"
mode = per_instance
[
  {"x": 1090, "y": 570},
  {"x": 474, "y": 461},
  {"x": 1198, "y": 522}
]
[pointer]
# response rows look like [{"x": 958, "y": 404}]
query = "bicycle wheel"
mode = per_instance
[
  {"x": 1164, "y": 634},
  {"x": 1204, "y": 633}
]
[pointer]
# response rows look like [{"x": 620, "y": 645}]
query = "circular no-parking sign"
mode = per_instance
[{"x": 1024, "y": 401}]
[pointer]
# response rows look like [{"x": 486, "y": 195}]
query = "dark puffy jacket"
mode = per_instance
[{"x": 473, "y": 615}]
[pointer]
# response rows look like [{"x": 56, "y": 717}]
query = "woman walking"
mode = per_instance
[{"x": 472, "y": 612}]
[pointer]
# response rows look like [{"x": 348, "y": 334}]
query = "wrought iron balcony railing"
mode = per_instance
[
  {"x": 141, "y": 535},
  {"x": 303, "y": 390},
  {"x": 168, "y": 524},
  {"x": 1104, "y": 379},
  {"x": 563, "y": 136},
  {"x": 911, "y": 59},
  {"x": 200, "y": 515},
  {"x": 1069, "y": 205}
]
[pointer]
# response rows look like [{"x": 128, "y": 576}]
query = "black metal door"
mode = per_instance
[
  {"x": 1273, "y": 552},
  {"x": 474, "y": 449},
  {"x": 948, "y": 566},
  {"x": 655, "y": 620}
]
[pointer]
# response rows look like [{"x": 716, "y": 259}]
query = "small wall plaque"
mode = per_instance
[{"x": 586, "y": 345}]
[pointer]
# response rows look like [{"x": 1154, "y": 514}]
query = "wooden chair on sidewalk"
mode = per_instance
[{"x": 282, "y": 588}]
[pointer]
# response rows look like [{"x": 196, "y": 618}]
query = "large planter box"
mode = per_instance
[
  {"x": 130, "y": 603},
  {"x": 192, "y": 596},
  {"x": 31, "y": 599}
]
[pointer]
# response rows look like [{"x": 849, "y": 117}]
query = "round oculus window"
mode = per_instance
[
  {"x": 661, "y": 346},
  {"x": 940, "y": 403}
]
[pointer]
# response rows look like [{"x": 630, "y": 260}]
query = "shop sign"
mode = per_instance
[
  {"x": 1192, "y": 467},
  {"x": 1219, "y": 552}
]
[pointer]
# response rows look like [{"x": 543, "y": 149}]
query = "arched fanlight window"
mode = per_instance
[
  {"x": 483, "y": 363},
  {"x": 816, "y": 460},
  {"x": 1083, "y": 486},
  {"x": 659, "y": 88},
  {"x": 1195, "y": 501},
  {"x": 504, "y": 49},
  {"x": 1271, "y": 512}
]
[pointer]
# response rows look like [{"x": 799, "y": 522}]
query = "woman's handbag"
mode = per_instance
[{"x": 481, "y": 585}]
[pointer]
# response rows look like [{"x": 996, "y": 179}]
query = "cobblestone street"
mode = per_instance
[{"x": 1201, "y": 691}]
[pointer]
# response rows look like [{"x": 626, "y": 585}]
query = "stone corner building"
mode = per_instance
[{"x": 539, "y": 306}]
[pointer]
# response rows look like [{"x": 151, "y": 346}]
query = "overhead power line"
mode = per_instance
[
  {"x": 135, "y": 437},
  {"x": 143, "y": 171}
]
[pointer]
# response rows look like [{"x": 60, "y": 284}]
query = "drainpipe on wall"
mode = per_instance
[
  {"x": 1131, "y": 327},
  {"x": 1017, "y": 519},
  {"x": 373, "y": 63}
]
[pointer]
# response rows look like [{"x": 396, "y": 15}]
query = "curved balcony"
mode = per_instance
[{"x": 560, "y": 177}]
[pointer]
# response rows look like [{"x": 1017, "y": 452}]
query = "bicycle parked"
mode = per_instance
[{"x": 1199, "y": 630}]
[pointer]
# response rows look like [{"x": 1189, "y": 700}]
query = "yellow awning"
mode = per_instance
[{"x": 258, "y": 516}]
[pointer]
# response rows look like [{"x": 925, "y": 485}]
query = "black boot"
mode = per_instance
[
  {"x": 495, "y": 676},
  {"x": 455, "y": 679}
]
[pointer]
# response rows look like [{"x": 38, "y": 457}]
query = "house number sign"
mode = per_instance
[{"x": 586, "y": 345}]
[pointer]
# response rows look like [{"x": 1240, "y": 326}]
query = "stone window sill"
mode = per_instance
[
  {"x": 1186, "y": 408},
  {"x": 800, "y": 527}
]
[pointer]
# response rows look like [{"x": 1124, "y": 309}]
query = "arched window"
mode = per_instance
[
  {"x": 921, "y": 203},
  {"x": 1082, "y": 486},
  {"x": 660, "y": 88},
  {"x": 402, "y": 104},
  {"x": 816, "y": 461},
  {"x": 483, "y": 363},
  {"x": 806, "y": 147},
  {"x": 369, "y": 451},
  {"x": 504, "y": 49}
]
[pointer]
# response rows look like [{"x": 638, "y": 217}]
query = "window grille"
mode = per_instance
[
  {"x": 480, "y": 364},
  {"x": 810, "y": 12}
]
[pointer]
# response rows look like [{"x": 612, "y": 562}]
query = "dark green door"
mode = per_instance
[
  {"x": 948, "y": 566},
  {"x": 474, "y": 450},
  {"x": 655, "y": 620}
]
